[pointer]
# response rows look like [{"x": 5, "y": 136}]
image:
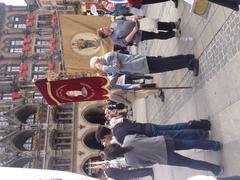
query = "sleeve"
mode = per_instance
[
  {"x": 113, "y": 66},
  {"x": 114, "y": 79}
]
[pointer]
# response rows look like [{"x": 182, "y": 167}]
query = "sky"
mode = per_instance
[{"x": 13, "y": 2}]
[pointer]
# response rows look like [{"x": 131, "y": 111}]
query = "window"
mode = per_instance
[
  {"x": 42, "y": 24},
  {"x": 15, "y": 50},
  {"x": 62, "y": 164},
  {"x": 28, "y": 144},
  {"x": 13, "y": 68},
  {"x": 19, "y": 18},
  {"x": 16, "y": 42},
  {"x": 47, "y": 17},
  {"x": 31, "y": 119},
  {"x": 19, "y": 26},
  {"x": 62, "y": 140},
  {"x": 41, "y": 49},
  {"x": 43, "y": 42},
  {"x": 6, "y": 96},
  {"x": 37, "y": 96},
  {"x": 3, "y": 124},
  {"x": 40, "y": 68},
  {"x": 64, "y": 114},
  {"x": 39, "y": 76},
  {"x": 16, "y": 19}
]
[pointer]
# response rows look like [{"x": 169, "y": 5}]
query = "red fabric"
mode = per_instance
[
  {"x": 58, "y": 89},
  {"x": 29, "y": 24},
  {"x": 54, "y": 20},
  {"x": 27, "y": 40},
  {"x": 16, "y": 95},
  {"x": 23, "y": 67},
  {"x": 52, "y": 48},
  {"x": 53, "y": 40},
  {"x": 51, "y": 66},
  {"x": 135, "y": 2},
  {"x": 30, "y": 17},
  {"x": 26, "y": 48},
  {"x": 23, "y": 75}
]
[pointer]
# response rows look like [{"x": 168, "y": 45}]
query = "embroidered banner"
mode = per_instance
[{"x": 73, "y": 90}]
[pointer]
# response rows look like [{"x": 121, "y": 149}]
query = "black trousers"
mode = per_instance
[
  {"x": 167, "y": 26},
  {"x": 124, "y": 174},
  {"x": 160, "y": 35},
  {"x": 232, "y": 4},
  {"x": 171, "y": 63},
  {"x": 153, "y": 1}
]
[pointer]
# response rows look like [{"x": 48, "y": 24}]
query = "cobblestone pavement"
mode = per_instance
[
  {"x": 223, "y": 47},
  {"x": 215, "y": 92}
]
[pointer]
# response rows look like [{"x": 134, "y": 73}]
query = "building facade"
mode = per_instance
[{"x": 33, "y": 134}]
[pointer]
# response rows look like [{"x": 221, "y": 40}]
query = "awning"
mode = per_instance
[
  {"x": 30, "y": 17},
  {"x": 23, "y": 67},
  {"x": 23, "y": 75},
  {"x": 51, "y": 66},
  {"x": 26, "y": 48},
  {"x": 53, "y": 40},
  {"x": 27, "y": 40},
  {"x": 29, "y": 24},
  {"x": 54, "y": 20},
  {"x": 52, "y": 48},
  {"x": 16, "y": 95}
]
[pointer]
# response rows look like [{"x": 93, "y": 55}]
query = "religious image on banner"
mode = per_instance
[
  {"x": 73, "y": 90},
  {"x": 86, "y": 43},
  {"x": 80, "y": 41}
]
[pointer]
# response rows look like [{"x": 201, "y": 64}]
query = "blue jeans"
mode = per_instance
[
  {"x": 230, "y": 178},
  {"x": 176, "y": 159},
  {"x": 179, "y": 131}
]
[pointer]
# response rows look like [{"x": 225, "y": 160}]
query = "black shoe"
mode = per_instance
[
  {"x": 176, "y": 3},
  {"x": 191, "y": 56},
  {"x": 152, "y": 175},
  {"x": 219, "y": 171},
  {"x": 147, "y": 77},
  {"x": 178, "y": 23},
  {"x": 162, "y": 96},
  {"x": 146, "y": 86},
  {"x": 234, "y": 6},
  {"x": 195, "y": 67},
  {"x": 204, "y": 124}
]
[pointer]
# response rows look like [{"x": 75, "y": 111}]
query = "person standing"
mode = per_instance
[
  {"x": 125, "y": 31},
  {"x": 140, "y": 151},
  {"x": 115, "y": 63},
  {"x": 190, "y": 130}
]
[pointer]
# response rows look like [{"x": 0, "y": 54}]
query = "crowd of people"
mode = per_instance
[{"x": 131, "y": 148}]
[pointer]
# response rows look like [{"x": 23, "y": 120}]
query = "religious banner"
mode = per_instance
[
  {"x": 81, "y": 42},
  {"x": 73, "y": 90}
]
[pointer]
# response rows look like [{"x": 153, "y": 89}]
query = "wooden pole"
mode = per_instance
[{"x": 154, "y": 88}]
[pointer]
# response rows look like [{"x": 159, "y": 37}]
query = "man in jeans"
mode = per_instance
[
  {"x": 189, "y": 130},
  {"x": 142, "y": 151}
]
